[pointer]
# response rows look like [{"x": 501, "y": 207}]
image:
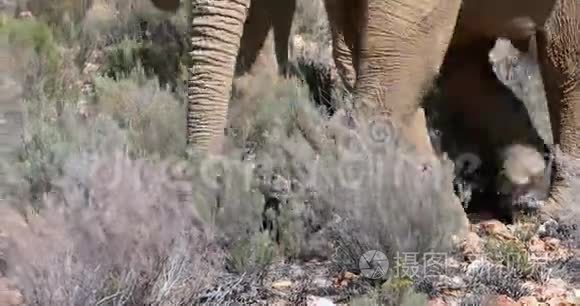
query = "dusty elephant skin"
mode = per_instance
[
  {"x": 220, "y": 52},
  {"x": 390, "y": 52}
]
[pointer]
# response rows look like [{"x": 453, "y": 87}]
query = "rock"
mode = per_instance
[
  {"x": 472, "y": 246},
  {"x": 548, "y": 228},
  {"x": 554, "y": 288},
  {"x": 452, "y": 263},
  {"x": 528, "y": 301},
  {"x": 552, "y": 244},
  {"x": 497, "y": 229},
  {"x": 25, "y": 15},
  {"x": 349, "y": 275},
  {"x": 504, "y": 300},
  {"x": 476, "y": 265},
  {"x": 436, "y": 302},
  {"x": 90, "y": 69},
  {"x": 318, "y": 301},
  {"x": 537, "y": 246},
  {"x": 282, "y": 285},
  {"x": 559, "y": 302},
  {"x": 8, "y": 295},
  {"x": 321, "y": 282}
]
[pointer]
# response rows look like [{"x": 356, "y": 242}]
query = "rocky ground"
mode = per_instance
[{"x": 521, "y": 264}]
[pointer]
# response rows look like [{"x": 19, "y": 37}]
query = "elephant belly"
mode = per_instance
[{"x": 513, "y": 19}]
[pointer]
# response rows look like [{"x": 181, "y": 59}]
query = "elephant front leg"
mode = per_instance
[
  {"x": 216, "y": 30},
  {"x": 402, "y": 48},
  {"x": 558, "y": 45}
]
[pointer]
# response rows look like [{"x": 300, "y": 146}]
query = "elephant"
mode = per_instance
[
  {"x": 398, "y": 48},
  {"x": 391, "y": 52}
]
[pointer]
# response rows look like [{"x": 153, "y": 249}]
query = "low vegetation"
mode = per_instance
[{"x": 106, "y": 207}]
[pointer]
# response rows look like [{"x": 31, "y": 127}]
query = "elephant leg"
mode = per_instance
[
  {"x": 216, "y": 30},
  {"x": 282, "y": 16},
  {"x": 401, "y": 51},
  {"x": 558, "y": 43},
  {"x": 166, "y": 5},
  {"x": 256, "y": 29},
  {"x": 342, "y": 16},
  {"x": 489, "y": 112}
]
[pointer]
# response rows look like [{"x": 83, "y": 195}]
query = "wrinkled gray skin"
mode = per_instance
[
  {"x": 390, "y": 52},
  {"x": 226, "y": 38}
]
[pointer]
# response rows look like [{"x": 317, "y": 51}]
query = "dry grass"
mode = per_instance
[
  {"x": 117, "y": 234},
  {"x": 113, "y": 193}
]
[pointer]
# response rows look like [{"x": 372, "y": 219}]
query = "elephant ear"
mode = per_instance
[{"x": 166, "y": 5}]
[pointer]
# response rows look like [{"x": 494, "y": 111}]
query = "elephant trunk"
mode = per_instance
[{"x": 216, "y": 30}]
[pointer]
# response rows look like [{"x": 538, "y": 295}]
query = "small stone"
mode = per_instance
[
  {"x": 472, "y": 246},
  {"x": 528, "y": 301},
  {"x": 552, "y": 243},
  {"x": 452, "y": 263},
  {"x": 548, "y": 228},
  {"x": 497, "y": 229},
  {"x": 536, "y": 245},
  {"x": 559, "y": 302},
  {"x": 349, "y": 275},
  {"x": 281, "y": 285},
  {"x": 476, "y": 265},
  {"x": 436, "y": 302},
  {"x": 554, "y": 288},
  {"x": 504, "y": 300},
  {"x": 25, "y": 15},
  {"x": 318, "y": 301},
  {"x": 322, "y": 283}
]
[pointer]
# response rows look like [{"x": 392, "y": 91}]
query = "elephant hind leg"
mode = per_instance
[
  {"x": 253, "y": 42},
  {"x": 342, "y": 16},
  {"x": 166, "y": 5},
  {"x": 282, "y": 17}
]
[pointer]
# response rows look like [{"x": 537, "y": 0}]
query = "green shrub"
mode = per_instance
[
  {"x": 154, "y": 119},
  {"x": 512, "y": 254},
  {"x": 252, "y": 254},
  {"x": 28, "y": 33}
]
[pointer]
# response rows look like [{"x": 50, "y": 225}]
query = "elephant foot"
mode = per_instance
[
  {"x": 564, "y": 193},
  {"x": 559, "y": 202},
  {"x": 417, "y": 133}
]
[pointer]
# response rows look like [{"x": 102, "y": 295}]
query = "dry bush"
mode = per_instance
[
  {"x": 131, "y": 114},
  {"x": 569, "y": 217},
  {"x": 154, "y": 118},
  {"x": 310, "y": 22},
  {"x": 384, "y": 199},
  {"x": 149, "y": 119},
  {"x": 113, "y": 233},
  {"x": 37, "y": 59},
  {"x": 57, "y": 11}
]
